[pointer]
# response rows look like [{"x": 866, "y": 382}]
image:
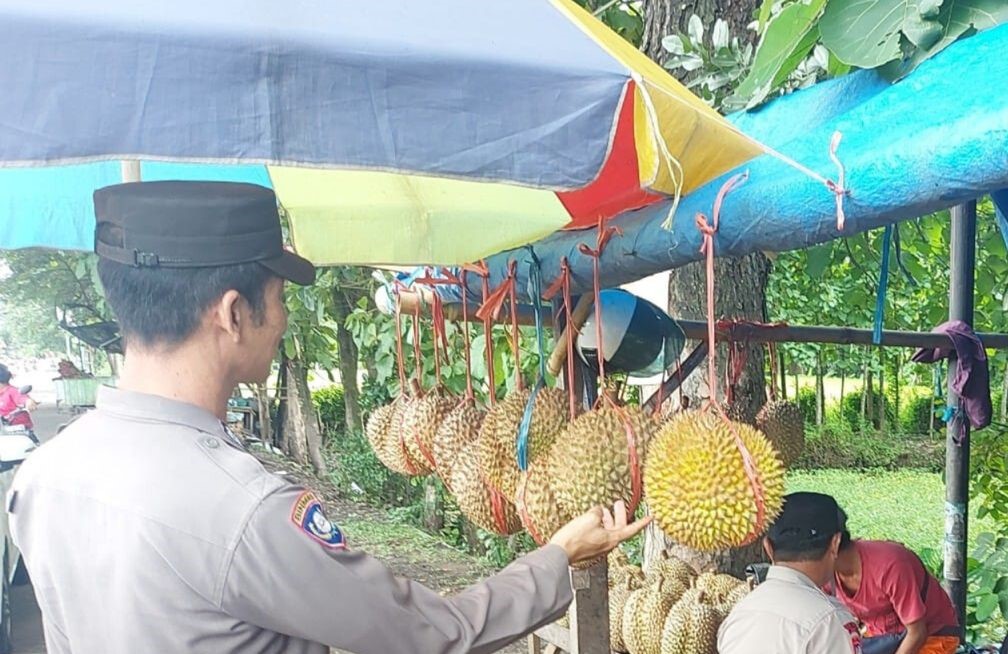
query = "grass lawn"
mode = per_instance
[{"x": 903, "y": 505}]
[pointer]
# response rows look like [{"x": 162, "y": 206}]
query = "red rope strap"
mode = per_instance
[
  {"x": 484, "y": 273},
  {"x": 465, "y": 335},
  {"x": 708, "y": 230},
  {"x": 497, "y": 510},
  {"x": 605, "y": 234},
  {"x": 562, "y": 283},
  {"x": 399, "y": 344},
  {"x": 491, "y": 309}
]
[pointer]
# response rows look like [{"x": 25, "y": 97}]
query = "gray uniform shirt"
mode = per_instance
[
  {"x": 788, "y": 614},
  {"x": 145, "y": 530}
]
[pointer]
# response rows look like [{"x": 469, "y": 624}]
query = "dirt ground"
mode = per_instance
[{"x": 409, "y": 552}]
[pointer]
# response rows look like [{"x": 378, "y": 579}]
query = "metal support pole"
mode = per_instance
[{"x": 957, "y": 450}]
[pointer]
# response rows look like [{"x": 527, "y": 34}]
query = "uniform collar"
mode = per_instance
[
  {"x": 789, "y": 575},
  {"x": 156, "y": 408}
]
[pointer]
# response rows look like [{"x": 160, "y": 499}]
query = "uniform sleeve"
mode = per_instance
[
  {"x": 837, "y": 633},
  {"x": 291, "y": 573},
  {"x": 901, "y": 582}
]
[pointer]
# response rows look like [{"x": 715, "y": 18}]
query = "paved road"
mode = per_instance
[{"x": 27, "y": 621}]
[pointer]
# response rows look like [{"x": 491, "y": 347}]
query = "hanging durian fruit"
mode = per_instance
[
  {"x": 536, "y": 503},
  {"x": 621, "y": 568},
  {"x": 420, "y": 423},
  {"x": 378, "y": 428},
  {"x": 394, "y": 454},
  {"x": 691, "y": 626},
  {"x": 591, "y": 460},
  {"x": 644, "y": 615},
  {"x": 485, "y": 507},
  {"x": 459, "y": 428},
  {"x": 783, "y": 423},
  {"x": 697, "y": 486},
  {"x": 499, "y": 435}
]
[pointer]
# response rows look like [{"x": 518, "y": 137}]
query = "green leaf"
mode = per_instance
[
  {"x": 764, "y": 14},
  {"x": 786, "y": 41},
  {"x": 866, "y": 33},
  {"x": 986, "y": 606},
  {"x": 1003, "y": 604},
  {"x": 818, "y": 258},
  {"x": 958, "y": 18}
]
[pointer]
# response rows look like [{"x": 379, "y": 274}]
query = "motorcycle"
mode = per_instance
[{"x": 19, "y": 421}]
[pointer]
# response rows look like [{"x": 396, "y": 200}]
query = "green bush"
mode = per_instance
[
  {"x": 806, "y": 401},
  {"x": 356, "y": 471},
  {"x": 837, "y": 445},
  {"x": 331, "y": 410},
  {"x": 915, "y": 415},
  {"x": 850, "y": 410}
]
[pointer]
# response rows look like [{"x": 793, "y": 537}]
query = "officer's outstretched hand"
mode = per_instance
[{"x": 596, "y": 533}]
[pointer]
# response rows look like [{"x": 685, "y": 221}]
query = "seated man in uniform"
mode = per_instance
[
  {"x": 902, "y": 606},
  {"x": 789, "y": 613},
  {"x": 147, "y": 527}
]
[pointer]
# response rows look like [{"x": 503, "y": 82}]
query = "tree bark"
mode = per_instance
[
  {"x": 740, "y": 289},
  {"x": 433, "y": 507},
  {"x": 279, "y": 434},
  {"x": 820, "y": 409},
  {"x": 303, "y": 435},
  {"x": 342, "y": 305},
  {"x": 265, "y": 408}
]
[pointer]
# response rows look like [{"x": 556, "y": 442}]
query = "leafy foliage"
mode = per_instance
[{"x": 331, "y": 409}]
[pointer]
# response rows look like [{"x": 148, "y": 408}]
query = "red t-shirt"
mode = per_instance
[
  {"x": 892, "y": 578},
  {"x": 11, "y": 399}
]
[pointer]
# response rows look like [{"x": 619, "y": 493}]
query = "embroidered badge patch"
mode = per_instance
[{"x": 309, "y": 517}]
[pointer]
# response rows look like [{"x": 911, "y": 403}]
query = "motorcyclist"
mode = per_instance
[{"x": 12, "y": 399}]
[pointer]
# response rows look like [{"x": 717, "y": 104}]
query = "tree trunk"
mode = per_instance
[
  {"x": 820, "y": 405},
  {"x": 740, "y": 290},
  {"x": 881, "y": 391},
  {"x": 303, "y": 436},
  {"x": 1004, "y": 393},
  {"x": 782, "y": 367},
  {"x": 342, "y": 305},
  {"x": 279, "y": 433},
  {"x": 433, "y": 507},
  {"x": 265, "y": 408}
]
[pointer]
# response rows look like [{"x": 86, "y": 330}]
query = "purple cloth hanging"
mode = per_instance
[{"x": 971, "y": 379}]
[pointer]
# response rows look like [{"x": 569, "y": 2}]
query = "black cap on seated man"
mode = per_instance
[{"x": 789, "y": 613}]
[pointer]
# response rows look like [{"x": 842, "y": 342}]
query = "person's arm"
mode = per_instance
[
  {"x": 837, "y": 633},
  {"x": 902, "y": 583},
  {"x": 286, "y": 577},
  {"x": 916, "y": 634}
]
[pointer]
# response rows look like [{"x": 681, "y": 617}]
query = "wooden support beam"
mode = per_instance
[
  {"x": 677, "y": 377},
  {"x": 697, "y": 329}
]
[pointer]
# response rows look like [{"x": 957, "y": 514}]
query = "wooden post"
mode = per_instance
[
  {"x": 957, "y": 443},
  {"x": 589, "y": 616}
]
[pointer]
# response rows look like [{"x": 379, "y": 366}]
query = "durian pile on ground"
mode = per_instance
[{"x": 669, "y": 610}]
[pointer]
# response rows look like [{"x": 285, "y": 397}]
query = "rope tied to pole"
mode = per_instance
[
  {"x": 708, "y": 230},
  {"x": 483, "y": 272}
]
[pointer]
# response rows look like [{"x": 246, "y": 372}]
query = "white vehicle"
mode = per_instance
[{"x": 15, "y": 446}]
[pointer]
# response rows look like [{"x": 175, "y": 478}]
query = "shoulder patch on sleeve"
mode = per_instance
[
  {"x": 855, "y": 637},
  {"x": 308, "y": 516}
]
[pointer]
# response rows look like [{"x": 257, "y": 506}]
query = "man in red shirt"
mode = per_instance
[{"x": 886, "y": 586}]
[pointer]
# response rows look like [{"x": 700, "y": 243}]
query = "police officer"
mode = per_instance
[
  {"x": 147, "y": 528},
  {"x": 789, "y": 613}
]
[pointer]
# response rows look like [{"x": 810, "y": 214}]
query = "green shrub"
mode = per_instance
[
  {"x": 837, "y": 445},
  {"x": 806, "y": 401},
  {"x": 331, "y": 410},
  {"x": 850, "y": 410},
  {"x": 916, "y": 412},
  {"x": 356, "y": 472}
]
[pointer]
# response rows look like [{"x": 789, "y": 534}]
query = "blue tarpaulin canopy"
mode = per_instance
[{"x": 936, "y": 138}]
